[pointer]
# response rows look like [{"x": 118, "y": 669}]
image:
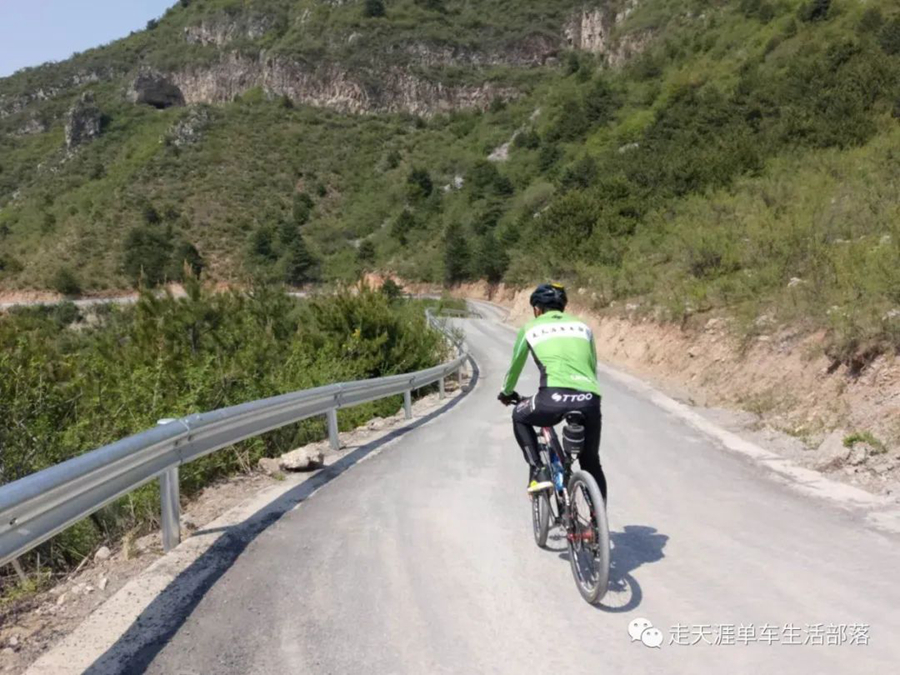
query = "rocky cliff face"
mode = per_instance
[
  {"x": 154, "y": 89},
  {"x": 531, "y": 51},
  {"x": 222, "y": 30},
  {"x": 391, "y": 86},
  {"x": 84, "y": 122},
  {"x": 189, "y": 130},
  {"x": 393, "y": 80},
  {"x": 11, "y": 105},
  {"x": 390, "y": 90},
  {"x": 593, "y": 30}
]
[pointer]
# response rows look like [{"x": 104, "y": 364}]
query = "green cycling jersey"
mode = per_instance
[{"x": 563, "y": 349}]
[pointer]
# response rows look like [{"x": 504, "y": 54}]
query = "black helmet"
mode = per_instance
[{"x": 549, "y": 296}]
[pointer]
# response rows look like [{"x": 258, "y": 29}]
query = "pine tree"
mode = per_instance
[
  {"x": 365, "y": 255},
  {"x": 147, "y": 255},
  {"x": 302, "y": 208},
  {"x": 815, "y": 10},
  {"x": 262, "y": 246},
  {"x": 419, "y": 185},
  {"x": 491, "y": 259},
  {"x": 373, "y": 8},
  {"x": 889, "y": 37},
  {"x": 402, "y": 226},
  {"x": 300, "y": 265},
  {"x": 456, "y": 255},
  {"x": 185, "y": 258}
]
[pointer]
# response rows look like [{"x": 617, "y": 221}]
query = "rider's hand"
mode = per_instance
[{"x": 508, "y": 399}]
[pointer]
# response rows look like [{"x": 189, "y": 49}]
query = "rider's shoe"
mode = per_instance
[{"x": 538, "y": 480}]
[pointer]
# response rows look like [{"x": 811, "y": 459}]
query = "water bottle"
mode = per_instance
[{"x": 557, "y": 470}]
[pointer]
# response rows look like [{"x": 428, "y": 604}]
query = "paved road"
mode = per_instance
[{"x": 421, "y": 560}]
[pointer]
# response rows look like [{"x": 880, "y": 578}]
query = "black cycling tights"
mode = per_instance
[{"x": 547, "y": 408}]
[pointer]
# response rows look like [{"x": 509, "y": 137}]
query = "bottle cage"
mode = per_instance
[{"x": 573, "y": 433}]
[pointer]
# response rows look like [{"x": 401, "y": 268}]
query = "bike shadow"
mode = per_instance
[{"x": 634, "y": 546}]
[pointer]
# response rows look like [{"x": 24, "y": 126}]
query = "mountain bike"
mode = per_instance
[{"x": 575, "y": 504}]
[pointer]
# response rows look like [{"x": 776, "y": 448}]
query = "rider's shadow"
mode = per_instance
[{"x": 631, "y": 548}]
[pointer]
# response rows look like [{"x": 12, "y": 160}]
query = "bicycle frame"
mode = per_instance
[{"x": 550, "y": 446}]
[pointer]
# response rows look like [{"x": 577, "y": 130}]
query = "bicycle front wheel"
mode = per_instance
[
  {"x": 588, "y": 537},
  {"x": 540, "y": 517}
]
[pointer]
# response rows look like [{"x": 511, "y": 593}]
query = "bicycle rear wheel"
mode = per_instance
[
  {"x": 540, "y": 517},
  {"x": 588, "y": 538}
]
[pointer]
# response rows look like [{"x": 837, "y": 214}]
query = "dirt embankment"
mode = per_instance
[{"x": 839, "y": 422}]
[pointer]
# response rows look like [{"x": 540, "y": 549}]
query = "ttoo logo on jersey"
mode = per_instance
[{"x": 571, "y": 398}]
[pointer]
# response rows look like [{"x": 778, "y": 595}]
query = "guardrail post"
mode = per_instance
[
  {"x": 407, "y": 404},
  {"x": 171, "y": 509},
  {"x": 333, "y": 438},
  {"x": 17, "y": 566},
  {"x": 443, "y": 393}
]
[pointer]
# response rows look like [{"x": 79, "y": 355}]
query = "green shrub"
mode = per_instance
[
  {"x": 889, "y": 36},
  {"x": 9, "y": 265},
  {"x": 431, "y": 5},
  {"x": 65, "y": 282},
  {"x": 527, "y": 139},
  {"x": 63, "y": 391},
  {"x": 186, "y": 261},
  {"x": 600, "y": 102},
  {"x": 549, "y": 155},
  {"x": 483, "y": 180},
  {"x": 365, "y": 254},
  {"x": 571, "y": 122},
  {"x": 419, "y": 185},
  {"x": 262, "y": 246},
  {"x": 391, "y": 289},
  {"x": 580, "y": 174},
  {"x": 815, "y": 10},
  {"x": 147, "y": 255},
  {"x": 491, "y": 260},
  {"x": 871, "y": 20},
  {"x": 302, "y": 208},
  {"x": 373, "y": 8},
  {"x": 866, "y": 437},
  {"x": 403, "y": 225}
]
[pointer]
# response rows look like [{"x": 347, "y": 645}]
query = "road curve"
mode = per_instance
[{"x": 421, "y": 560}]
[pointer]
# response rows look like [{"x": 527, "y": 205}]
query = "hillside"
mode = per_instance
[{"x": 680, "y": 156}]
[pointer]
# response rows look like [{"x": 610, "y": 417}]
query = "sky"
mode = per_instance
[{"x": 36, "y": 31}]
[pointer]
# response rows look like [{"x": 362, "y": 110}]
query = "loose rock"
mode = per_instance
[
  {"x": 832, "y": 453},
  {"x": 859, "y": 453},
  {"x": 303, "y": 459},
  {"x": 103, "y": 553},
  {"x": 269, "y": 466}
]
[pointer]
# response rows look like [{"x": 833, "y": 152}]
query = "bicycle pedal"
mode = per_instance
[{"x": 536, "y": 487}]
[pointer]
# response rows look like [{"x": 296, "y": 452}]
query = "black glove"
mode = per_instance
[{"x": 509, "y": 399}]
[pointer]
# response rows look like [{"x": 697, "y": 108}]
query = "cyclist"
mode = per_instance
[{"x": 562, "y": 347}]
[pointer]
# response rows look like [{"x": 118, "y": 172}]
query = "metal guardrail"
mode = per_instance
[{"x": 36, "y": 507}]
